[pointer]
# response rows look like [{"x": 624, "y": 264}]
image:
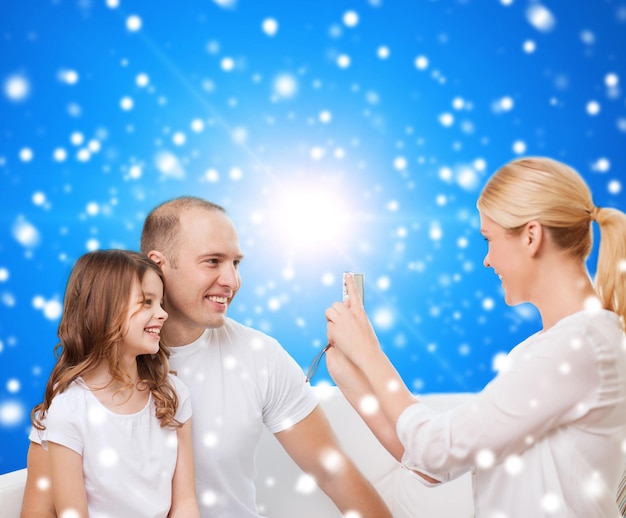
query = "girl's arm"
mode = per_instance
[
  {"x": 37, "y": 501},
  {"x": 184, "y": 503},
  {"x": 68, "y": 486}
]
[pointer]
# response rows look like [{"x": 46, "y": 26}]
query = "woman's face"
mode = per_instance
[{"x": 508, "y": 257}]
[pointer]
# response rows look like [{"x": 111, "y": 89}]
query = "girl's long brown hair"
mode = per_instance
[{"x": 93, "y": 325}]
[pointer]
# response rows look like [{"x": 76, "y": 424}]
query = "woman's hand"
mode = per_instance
[{"x": 349, "y": 329}]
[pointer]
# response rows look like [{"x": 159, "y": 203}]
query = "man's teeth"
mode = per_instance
[{"x": 221, "y": 300}]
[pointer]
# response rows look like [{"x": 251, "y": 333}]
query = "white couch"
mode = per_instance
[{"x": 284, "y": 491}]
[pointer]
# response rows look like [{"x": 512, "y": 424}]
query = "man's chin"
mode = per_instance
[{"x": 216, "y": 321}]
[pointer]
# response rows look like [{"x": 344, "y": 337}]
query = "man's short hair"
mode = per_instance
[{"x": 161, "y": 227}]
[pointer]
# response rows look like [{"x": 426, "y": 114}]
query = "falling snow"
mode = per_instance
[{"x": 340, "y": 138}]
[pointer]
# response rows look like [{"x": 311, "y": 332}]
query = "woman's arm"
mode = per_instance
[
  {"x": 184, "y": 503},
  {"x": 366, "y": 372},
  {"x": 360, "y": 395},
  {"x": 68, "y": 486}
]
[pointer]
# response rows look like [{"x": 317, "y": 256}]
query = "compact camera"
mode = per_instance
[{"x": 358, "y": 280}]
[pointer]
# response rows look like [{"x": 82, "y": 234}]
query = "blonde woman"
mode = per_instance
[{"x": 546, "y": 437}]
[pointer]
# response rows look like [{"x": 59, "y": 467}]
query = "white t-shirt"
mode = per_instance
[
  {"x": 240, "y": 380},
  {"x": 128, "y": 459},
  {"x": 546, "y": 437}
]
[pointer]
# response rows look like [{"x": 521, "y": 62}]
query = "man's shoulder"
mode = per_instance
[{"x": 235, "y": 328}]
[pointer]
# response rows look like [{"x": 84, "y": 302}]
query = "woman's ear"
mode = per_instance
[{"x": 533, "y": 237}]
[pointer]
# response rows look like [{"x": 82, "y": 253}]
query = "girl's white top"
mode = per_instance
[
  {"x": 128, "y": 459},
  {"x": 546, "y": 437}
]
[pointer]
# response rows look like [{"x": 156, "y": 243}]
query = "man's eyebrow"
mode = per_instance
[{"x": 220, "y": 255}]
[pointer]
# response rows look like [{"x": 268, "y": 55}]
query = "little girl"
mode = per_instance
[{"x": 116, "y": 423}]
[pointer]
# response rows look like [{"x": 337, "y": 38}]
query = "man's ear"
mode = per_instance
[
  {"x": 533, "y": 237},
  {"x": 157, "y": 257}
]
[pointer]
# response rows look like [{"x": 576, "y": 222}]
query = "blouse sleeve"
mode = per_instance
[{"x": 546, "y": 382}]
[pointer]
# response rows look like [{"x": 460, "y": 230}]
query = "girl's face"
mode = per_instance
[
  {"x": 145, "y": 316},
  {"x": 506, "y": 255}
]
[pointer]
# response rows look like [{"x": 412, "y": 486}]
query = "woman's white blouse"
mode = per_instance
[{"x": 547, "y": 436}]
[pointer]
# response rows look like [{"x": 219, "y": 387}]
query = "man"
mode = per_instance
[{"x": 240, "y": 380}]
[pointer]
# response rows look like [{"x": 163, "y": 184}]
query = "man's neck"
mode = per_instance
[{"x": 173, "y": 335}]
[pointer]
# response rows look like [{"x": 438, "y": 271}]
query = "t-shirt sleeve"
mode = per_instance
[
  {"x": 538, "y": 391},
  {"x": 183, "y": 412},
  {"x": 35, "y": 435},
  {"x": 289, "y": 398},
  {"x": 63, "y": 423}
]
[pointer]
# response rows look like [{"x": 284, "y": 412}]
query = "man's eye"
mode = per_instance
[{"x": 148, "y": 302}]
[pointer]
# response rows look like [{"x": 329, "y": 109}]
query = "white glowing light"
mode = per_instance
[
  {"x": 169, "y": 165},
  {"x": 593, "y": 108},
  {"x": 485, "y": 459},
  {"x": 17, "y": 88},
  {"x": 343, "y": 61},
  {"x": 550, "y": 503},
  {"x": 513, "y": 464},
  {"x": 52, "y": 309},
  {"x": 519, "y": 147},
  {"x": 421, "y": 62},
  {"x": 25, "y": 233},
  {"x": 227, "y": 64},
  {"x": 611, "y": 80},
  {"x": 126, "y": 103},
  {"x": 4, "y": 275},
  {"x": 305, "y": 485},
  {"x": 208, "y": 498},
  {"x": 108, "y": 457},
  {"x": 197, "y": 125},
  {"x": 351, "y": 19},
  {"x": 285, "y": 86},
  {"x": 332, "y": 460},
  {"x": 383, "y": 318},
  {"x": 133, "y": 23},
  {"x": 142, "y": 80},
  {"x": 602, "y": 165},
  {"x": 11, "y": 413},
  {"x": 400, "y": 163},
  {"x": 446, "y": 119},
  {"x": 26, "y": 154},
  {"x": 179, "y": 138},
  {"x": 13, "y": 385},
  {"x": 488, "y": 304},
  {"x": 540, "y": 18},
  {"x": 59, "y": 154},
  {"x": 43, "y": 483},
  {"x": 614, "y": 187},
  {"x": 383, "y": 52},
  {"x": 270, "y": 26},
  {"x": 310, "y": 216},
  {"x": 529, "y": 46},
  {"x": 369, "y": 404},
  {"x": 69, "y": 77},
  {"x": 325, "y": 116},
  {"x": 210, "y": 439}
]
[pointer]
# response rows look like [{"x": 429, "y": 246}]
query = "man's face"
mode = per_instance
[{"x": 206, "y": 278}]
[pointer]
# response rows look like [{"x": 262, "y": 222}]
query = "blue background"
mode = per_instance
[{"x": 324, "y": 165}]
